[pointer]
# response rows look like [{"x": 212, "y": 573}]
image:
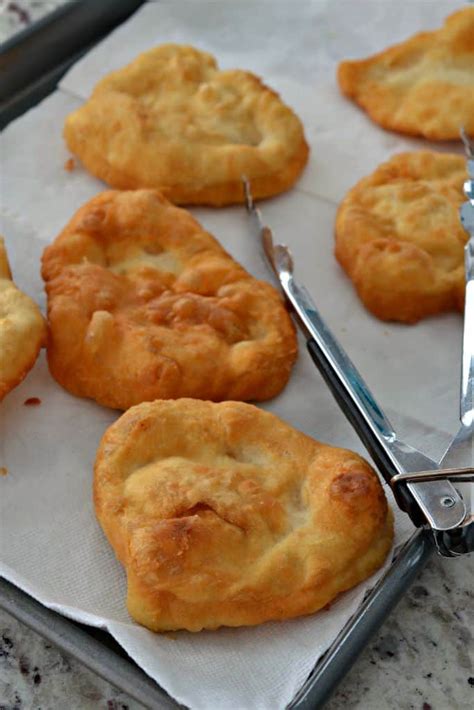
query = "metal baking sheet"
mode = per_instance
[{"x": 56, "y": 42}]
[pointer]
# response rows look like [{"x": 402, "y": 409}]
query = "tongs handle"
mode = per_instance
[
  {"x": 391, "y": 455},
  {"x": 467, "y": 369},
  {"x": 345, "y": 382},
  {"x": 349, "y": 388},
  {"x": 467, "y": 220}
]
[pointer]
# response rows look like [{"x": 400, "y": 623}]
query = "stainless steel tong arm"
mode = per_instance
[
  {"x": 442, "y": 506},
  {"x": 467, "y": 220},
  {"x": 440, "y": 502}
]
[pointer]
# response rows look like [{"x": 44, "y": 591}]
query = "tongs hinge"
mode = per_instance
[{"x": 450, "y": 541}]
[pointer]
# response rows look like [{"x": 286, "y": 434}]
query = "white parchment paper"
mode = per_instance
[{"x": 50, "y": 542}]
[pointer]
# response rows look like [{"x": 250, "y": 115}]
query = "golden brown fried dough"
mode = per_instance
[
  {"x": 424, "y": 86},
  {"x": 223, "y": 515},
  {"x": 171, "y": 120},
  {"x": 22, "y": 329},
  {"x": 399, "y": 237},
  {"x": 144, "y": 304}
]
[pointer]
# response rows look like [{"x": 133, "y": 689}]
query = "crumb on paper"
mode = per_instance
[
  {"x": 69, "y": 165},
  {"x": 32, "y": 402},
  {"x": 3, "y": 471}
]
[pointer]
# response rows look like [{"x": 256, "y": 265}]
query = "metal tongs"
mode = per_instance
[{"x": 422, "y": 487}]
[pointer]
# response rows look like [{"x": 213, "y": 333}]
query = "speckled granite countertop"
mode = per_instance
[{"x": 422, "y": 658}]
